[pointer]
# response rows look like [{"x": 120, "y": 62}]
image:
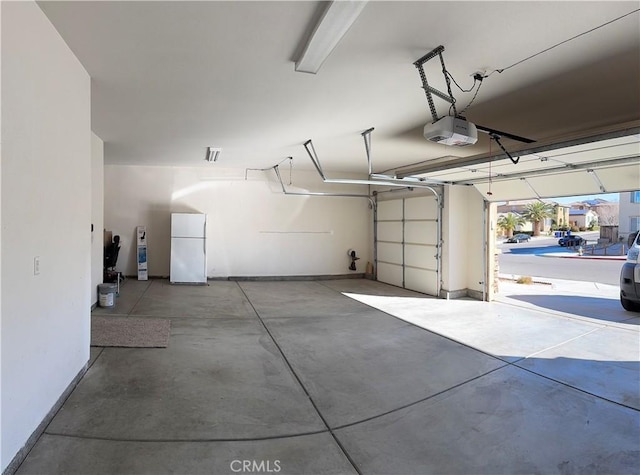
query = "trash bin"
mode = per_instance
[{"x": 107, "y": 295}]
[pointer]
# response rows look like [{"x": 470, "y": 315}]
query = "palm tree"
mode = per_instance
[
  {"x": 537, "y": 212},
  {"x": 509, "y": 222}
]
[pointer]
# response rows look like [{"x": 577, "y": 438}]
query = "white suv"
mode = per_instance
[{"x": 630, "y": 278}]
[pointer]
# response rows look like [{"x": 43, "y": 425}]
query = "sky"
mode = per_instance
[{"x": 614, "y": 197}]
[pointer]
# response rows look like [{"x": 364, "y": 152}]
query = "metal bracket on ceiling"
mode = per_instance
[
  {"x": 532, "y": 188},
  {"x": 311, "y": 151},
  {"x": 373, "y": 179},
  {"x": 596, "y": 178},
  {"x": 276, "y": 169},
  {"x": 428, "y": 90},
  {"x": 247, "y": 170},
  {"x": 366, "y": 135},
  {"x": 496, "y": 138}
]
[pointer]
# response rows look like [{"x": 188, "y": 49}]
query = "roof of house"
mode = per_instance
[
  {"x": 595, "y": 202},
  {"x": 580, "y": 212},
  {"x": 504, "y": 213}
]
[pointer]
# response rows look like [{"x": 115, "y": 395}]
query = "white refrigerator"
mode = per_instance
[{"x": 188, "y": 248}]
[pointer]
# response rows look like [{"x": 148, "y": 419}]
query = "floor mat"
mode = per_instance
[{"x": 130, "y": 332}]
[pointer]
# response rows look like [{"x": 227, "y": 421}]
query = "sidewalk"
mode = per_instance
[
  {"x": 508, "y": 281},
  {"x": 587, "y": 301},
  {"x": 576, "y": 255}
]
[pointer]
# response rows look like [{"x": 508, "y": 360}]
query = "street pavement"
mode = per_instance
[{"x": 543, "y": 257}]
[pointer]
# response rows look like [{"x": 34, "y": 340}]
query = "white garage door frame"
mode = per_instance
[{"x": 408, "y": 239}]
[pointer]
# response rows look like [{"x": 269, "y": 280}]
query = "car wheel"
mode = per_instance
[{"x": 629, "y": 305}]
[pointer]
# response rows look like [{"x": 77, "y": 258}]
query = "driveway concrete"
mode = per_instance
[{"x": 354, "y": 376}]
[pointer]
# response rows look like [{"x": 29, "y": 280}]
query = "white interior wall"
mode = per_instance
[
  {"x": 462, "y": 234},
  {"x": 253, "y": 229},
  {"x": 2, "y": 464},
  {"x": 46, "y": 212},
  {"x": 97, "y": 215},
  {"x": 476, "y": 225},
  {"x": 454, "y": 231}
]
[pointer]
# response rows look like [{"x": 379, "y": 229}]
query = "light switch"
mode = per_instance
[{"x": 36, "y": 265}]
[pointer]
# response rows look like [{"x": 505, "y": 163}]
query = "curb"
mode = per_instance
[
  {"x": 601, "y": 258},
  {"x": 559, "y": 284}
]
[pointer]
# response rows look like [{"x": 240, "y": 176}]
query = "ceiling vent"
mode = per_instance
[{"x": 212, "y": 154}]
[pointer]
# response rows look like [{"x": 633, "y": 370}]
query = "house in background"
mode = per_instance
[
  {"x": 562, "y": 215},
  {"x": 629, "y": 217},
  {"x": 607, "y": 211},
  {"x": 560, "y": 218},
  {"x": 582, "y": 218},
  {"x": 526, "y": 227}
]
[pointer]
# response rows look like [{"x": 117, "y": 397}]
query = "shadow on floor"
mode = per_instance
[{"x": 535, "y": 250}]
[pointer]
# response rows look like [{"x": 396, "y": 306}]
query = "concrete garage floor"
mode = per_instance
[{"x": 350, "y": 376}]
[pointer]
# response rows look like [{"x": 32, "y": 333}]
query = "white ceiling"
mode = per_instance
[{"x": 171, "y": 78}]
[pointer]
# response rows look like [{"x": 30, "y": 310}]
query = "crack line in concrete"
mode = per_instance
[{"x": 295, "y": 375}]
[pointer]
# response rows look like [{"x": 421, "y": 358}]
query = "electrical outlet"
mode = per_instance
[{"x": 36, "y": 265}]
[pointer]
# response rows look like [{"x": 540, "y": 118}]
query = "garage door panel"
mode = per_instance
[
  {"x": 420, "y": 256},
  {"x": 423, "y": 207},
  {"x": 421, "y": 280},
  {"x": 505, "y": 190},
  {"x": 620, "y": 147},
  {"x": 573, "y": 183},
  {"x": 389, "y": 231},
  {"x": 420, "y": 232},
  {"x": 576, "y": 183},
  {"x": 389, "y": 210},
  {"x": 406, "y": 240},
  {"x": 390, "y": 252},
  {"x": 620, "y": 178},
  {"x": 390, "y": 273}
]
